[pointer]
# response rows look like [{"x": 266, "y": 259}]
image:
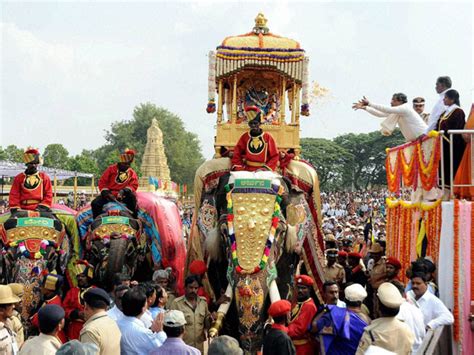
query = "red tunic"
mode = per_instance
[
  {"x": 253, "y": 153},
  {"x": 30, "y": 191},
  {"x": 72, "y": 302},
  {"x": 114, "y": 180},
  {"x": 301, "y": 316},
  {"x": 34, "y": 320}
]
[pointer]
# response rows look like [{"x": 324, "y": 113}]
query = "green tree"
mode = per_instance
[
  {"x": 85, "y": 163},
  {"x": 11, "y": 153},
  {"x": 368, "y": 164},
  {"x": 328, "y": 158},
  {"x": 182, "y": 148},
  {"x": 56, "y": 156}
]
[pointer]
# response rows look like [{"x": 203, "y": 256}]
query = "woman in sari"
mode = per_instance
[
  {"x": 452, "y": 118},
  {"x": 465, "y": 173}
]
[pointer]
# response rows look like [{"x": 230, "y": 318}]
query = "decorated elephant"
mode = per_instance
[
  {"x": 32, "y": 245},
  {"x": 253, "y": 229},
  {"x": 115, "y": 242}
]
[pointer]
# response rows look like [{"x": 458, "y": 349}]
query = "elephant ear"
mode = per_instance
[{"x": 212, "y": 244}]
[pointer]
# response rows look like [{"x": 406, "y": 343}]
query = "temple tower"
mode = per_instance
[{"x": 154, "y": 162}]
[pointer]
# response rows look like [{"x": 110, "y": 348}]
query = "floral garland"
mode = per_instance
[
  {"x": 211, "y": 92},
  {"x": 456, "y": 271},
  {"x": 409, "y": 169},
  {"x": 270, "y": 239},
  {"x": 393, "y": 176},
  {"x": 429, "y": 172},
  {"x": 305, "y": 89},
  {"x": 22, "y": 251}
]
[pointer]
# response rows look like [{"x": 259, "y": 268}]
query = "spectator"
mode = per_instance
[
  {"x": 331, "y": 294},
  {"x": 340, "y": 329},
  {"x": 412, "y": 316},
  {"x": 162, "y": 278},
  {"x": 443, "y": 84},
  {"x": 387, "y": 331},
  {"x": 196, "y": 312},
  {"x": 160, "y": 302},
  {"x": 136, "y": 338},
  {"x": 8, "y": 344},
  {"x": 51, "y": 321},
  {"x": 392, "y": 267},
  {"x": 173, "y": 326},
  {"x": 150, "y": 293},
  {"x": 225, "y": 345},
  {"x": 435, "y": 313},
  {"x": 115, "y": 312},
  {"x": 99, "y": 328},
  {"x": 277, "y": 340},
  {"x": 16, "y": 321}
]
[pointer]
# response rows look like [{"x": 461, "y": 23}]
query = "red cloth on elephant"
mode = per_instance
[
  {"x": 114, "y": 180},
  {"x": 301, "y": 316},
  {"x": 71, "y": 303},
  {"x": 34, "y": 320},
  {"x": 253, "y": 153},
  {"x": 30, "y": 191}
]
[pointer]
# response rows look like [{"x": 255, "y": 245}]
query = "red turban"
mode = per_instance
[
  {"x": 342, "y": 253},
  {"x": 279, "y": 308},
  {"x": 304, "y": 280},
  {"x": 393, "y": 261},
  {"x": 355, "y": 255},
  {"x": 197, "y": 267}
]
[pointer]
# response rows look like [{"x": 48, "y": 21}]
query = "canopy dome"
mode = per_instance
[{"x": 260, "y": 48}]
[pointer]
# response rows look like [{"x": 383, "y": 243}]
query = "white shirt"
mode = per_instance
[
  {"x": 136, "y": 339},
  {"x": 435, "y": 313},
  {"x": 413, "y": 317},
  {"x": 410, "y": 123},
  {"x": 115, "y": 313},
  {"x": 147, "y": 319},
  {"x": 436, "y": 112}
]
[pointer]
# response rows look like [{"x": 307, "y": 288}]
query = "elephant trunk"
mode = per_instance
[{"x": 116, "y": 258}]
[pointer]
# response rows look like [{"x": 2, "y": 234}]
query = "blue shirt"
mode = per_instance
[
  {"x": 175, "y": 346},
  {"x": 136, "y": 339},
  {"x": 340, "y": 330}
]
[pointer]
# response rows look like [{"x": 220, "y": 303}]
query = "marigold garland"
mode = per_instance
[
  {"x": 429, "y": 173},
  {"x": 409, "y": 169},
  {"x": 456, "y": 271},
  {"x": 393, "y": 176}
]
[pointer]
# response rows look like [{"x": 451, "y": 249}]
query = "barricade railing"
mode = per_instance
[
  {"x": 415, "y": 171},
  {"x": 437, "y": 342},
  {"x": 451, "y": 133}
]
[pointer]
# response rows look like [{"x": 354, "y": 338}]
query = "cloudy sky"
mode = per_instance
[{"x": 70, "y": 69}]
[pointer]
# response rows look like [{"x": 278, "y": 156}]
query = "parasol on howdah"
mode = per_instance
[{"x": 257, "y": 220}]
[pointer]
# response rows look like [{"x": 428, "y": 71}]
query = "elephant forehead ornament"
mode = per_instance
[{"x": 253, "y": 213}]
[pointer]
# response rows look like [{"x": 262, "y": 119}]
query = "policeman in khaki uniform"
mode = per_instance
[
  {"x": 8, "y": 344},
  {"x": 378, "y": 272},
  {"x": 99, "y": 328},
  {"x": 198, "y": 318},
  {"x": 387, "y": 331},
  {"x": 17, "y": 325},
  {"x": 333, "y": 271}
]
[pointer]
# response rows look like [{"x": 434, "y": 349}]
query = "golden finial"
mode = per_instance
[{"x": 260, "y": 24}]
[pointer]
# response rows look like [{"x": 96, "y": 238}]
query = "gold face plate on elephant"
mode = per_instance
[
  {"x": 35, "y": 228},
  {"x": 253, "y": 219}
]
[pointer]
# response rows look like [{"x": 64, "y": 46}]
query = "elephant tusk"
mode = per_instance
[
  {"x": 221, "y": 312},
  {"x": 274, "y": 293}
]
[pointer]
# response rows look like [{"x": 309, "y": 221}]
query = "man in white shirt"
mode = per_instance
[
  {"x": 400, "y": 113},
  {"x": 443, "y": 84},
  {"x": 136, "y": 339},
  {"x": 115, "y": 312},
  {"x": 411, "y": 316},
  {"x": 435, "y": 313}
]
